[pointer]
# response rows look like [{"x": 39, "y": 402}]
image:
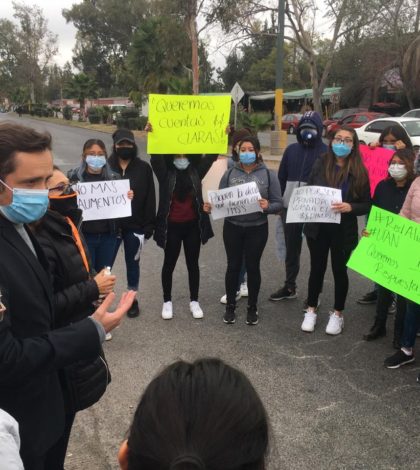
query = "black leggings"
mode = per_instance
[
  {"x": 240, "y": 242},
  {"x": 189, "y": 234},
  {"x": 328, "y": 240}
]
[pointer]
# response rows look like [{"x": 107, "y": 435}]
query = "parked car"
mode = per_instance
[
  {"x": 290, "y": 122},
  {"x": 116, "y": 111},
  {"x": 341, "y": 114},
  {"x": 371, "y": 131},
  {"x": 414, "y": 113},
  {"x": 355, "y": 120}
]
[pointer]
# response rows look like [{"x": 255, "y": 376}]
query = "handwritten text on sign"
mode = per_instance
[
  {"x": 390, "y": 255},
  {"x": 236, "y": 200},
  {"x": 376, "y": 161},
  {"x": 313, "y": 204},
  {"x": 184, "y": 124},
  {"x": 104, "y": 199}
]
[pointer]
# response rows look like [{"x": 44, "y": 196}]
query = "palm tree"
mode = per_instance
[{"x": 82, "y": 87}]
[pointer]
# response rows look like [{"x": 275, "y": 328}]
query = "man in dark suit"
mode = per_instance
[{"x": 31, "y": 351}]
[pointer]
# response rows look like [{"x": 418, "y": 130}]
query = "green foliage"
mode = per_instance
[
  {"x": 81, "y": 87},
  {"x": 67, "y": 113},
  {"x": 257, "y": 122},
  {"x": 94, "y": 115},
  {"x": 128, "y": 113}
]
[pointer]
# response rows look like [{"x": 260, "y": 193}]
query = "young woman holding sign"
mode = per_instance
[
  {"x": 245, "y": 236},
  {"x": 180, "y": 220},
  {"x": 341, "y": 167}
]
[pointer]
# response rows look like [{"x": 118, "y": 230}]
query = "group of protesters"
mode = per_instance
[{"x": 56, "y": 281}]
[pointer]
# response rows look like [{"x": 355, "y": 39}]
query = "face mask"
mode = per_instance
[
  {"x": 28, "y": 205},
  {"x": 125, "y": 153},
  {"x": 247, "y": 158},
  {"x": 389, "y": 146},
  {"x": 96, "y": 162},
  {"x": 397, "y": 171},
  {"x": 341, "y": 150},
  {"x": 64, "y": 204},
  {"x": 308, "y": 135},
  {"x": 181, "y": 163}
]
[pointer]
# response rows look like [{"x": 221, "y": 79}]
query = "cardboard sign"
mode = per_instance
[
  {"x": 376, "y": 161},
  {"x": 390, "y": 255},
  {"x": 212, "y": 179},
  {"x": 102, "y": 200},
  {"x": 313, "y": 204},
  {"x": 184, "y": 124},
  {"x": 236, "y": 200}
]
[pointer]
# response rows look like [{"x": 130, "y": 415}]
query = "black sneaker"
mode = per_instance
[
  {"x": 252, "y": 315},
  {"x": 283, "y": 294},
  {"x": 229, "y": 316},
  {"x": 375, "y": 332},
  {"x": 134, "y": 310},
  {"x": 398, "y": 359},
  {"x": 369, "y": 298}
]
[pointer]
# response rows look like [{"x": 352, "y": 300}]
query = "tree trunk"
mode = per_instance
[
  {"x": 316, "y": 92},
  {"x": 194, "y": 55}
]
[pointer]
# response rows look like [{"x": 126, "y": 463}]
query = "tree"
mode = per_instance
[{"x": 81, "y": 87}]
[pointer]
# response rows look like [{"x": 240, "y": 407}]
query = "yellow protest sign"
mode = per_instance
[
  {"x": 188, "y": 124},
  {"x": 390, "y": 255}
]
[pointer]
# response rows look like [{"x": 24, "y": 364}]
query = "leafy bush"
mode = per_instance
[
  {"x": 132, "y": 123},
  {"x": 129, "y": 113},
  {"x": 106, "y": 114},
  {"x": 142, "y": 121},
  {"x": 255, "y": 121},
  {"x": 121, "y": 123},
  {"x": 67, "y": 113},
  {"x": 94, "y": 115}
]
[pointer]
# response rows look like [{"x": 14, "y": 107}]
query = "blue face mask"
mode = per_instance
[
  {"x": 389, "y": 146},
  {"x": 96, "y": 162},
  {"x": 181, "y": 163},
  {"x": 247, "y": 158},
  {"x": 341, "y": 150},
  {"x": 28, "y": 205}
]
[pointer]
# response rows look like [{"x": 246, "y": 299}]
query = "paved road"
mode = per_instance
[{"x": 331, "y": 403}]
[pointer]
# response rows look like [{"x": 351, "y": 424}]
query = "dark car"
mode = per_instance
[
  {"x": 355, "y": 120},
  {"x": 290, "y": 122},
  {"x": 341, "y": 114}
]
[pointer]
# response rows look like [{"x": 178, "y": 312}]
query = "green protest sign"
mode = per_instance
[
  {"x": 390, "y": 255},
  {"x": 184, "y": 124}
]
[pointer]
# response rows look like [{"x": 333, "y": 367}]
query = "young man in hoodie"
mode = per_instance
[
  {"x": 295, "y": 168},
  {"x": 139, "y": 227}
]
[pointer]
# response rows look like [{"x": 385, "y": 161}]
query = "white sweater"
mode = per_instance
[{"x": 9, "y": 443}]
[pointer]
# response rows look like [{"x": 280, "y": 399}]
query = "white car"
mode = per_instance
[
  {"x": 415, "y": 113},
  {"x": 371, "y": 131}
]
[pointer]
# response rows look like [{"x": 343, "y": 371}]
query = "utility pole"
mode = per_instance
[{"x": 279, "y": 137}]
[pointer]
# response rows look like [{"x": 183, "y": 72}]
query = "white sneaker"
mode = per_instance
[
  {"x": 167, "y": 312},
  {"x": 335, "y": 324},
  {"x": 309, "y": 322},
  {"x": 244, "y": 289},
  {"x": 223, "y": 299},
  {"x": 195, "y": 309},
  {"x": 108, "y": 337}
]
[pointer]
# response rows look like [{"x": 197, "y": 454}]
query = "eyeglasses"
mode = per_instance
[
  {"x": 346, "y": 141},
  {"x": 63, "y": 188}
]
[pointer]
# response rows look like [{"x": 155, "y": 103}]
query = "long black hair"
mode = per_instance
[
  {"x": 204, "y": 415},
  {"x": 399, "y": 133}
]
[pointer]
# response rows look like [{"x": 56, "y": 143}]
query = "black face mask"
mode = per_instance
[
  {"x": 126, "y": 153},
  {"x": 65, "y": 204}
]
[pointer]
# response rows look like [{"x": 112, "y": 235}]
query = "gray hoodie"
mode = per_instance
[
  {"x": 9, "y": 443},
  {"x": 268, "y": 185}
]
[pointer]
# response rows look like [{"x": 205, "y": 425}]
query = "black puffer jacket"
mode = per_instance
[
  {"x": 74, "y": 289},
  {"x": 347, "y": 229},
  {"x": 165, "y": 172}
]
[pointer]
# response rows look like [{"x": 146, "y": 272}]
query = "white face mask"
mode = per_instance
[{"x": 397, "y": 171}]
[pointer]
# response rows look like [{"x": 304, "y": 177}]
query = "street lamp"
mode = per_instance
[{"x": 278, "y": 136}]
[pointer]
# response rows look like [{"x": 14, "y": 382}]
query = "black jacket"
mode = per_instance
[
  {"x": 143, "y": 204},
  {"x": 166, "y": 174},
  {"x": 389, "y": 196},
  {"x": 31, "y": 353},
  {"x": 79, "y": 174},
  {"x": 74, "y": 288},
  {"x": 347, "y": 229}
]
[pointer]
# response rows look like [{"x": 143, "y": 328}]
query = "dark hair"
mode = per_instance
[
  {"x": 255, "y": 143},
  {"x": 399, "y": 133},
  {"x": 200, "y": 415},
  {"x": 408, "y": 157},
  {"x": 353, "y": 165},
  {"x": 17, "y": 138},
  {"x": 91, "y": 142},
  {"x": 236, "y": 138}
]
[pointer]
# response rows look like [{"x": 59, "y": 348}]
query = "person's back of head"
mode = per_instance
[{"x": 204, "y": 415}]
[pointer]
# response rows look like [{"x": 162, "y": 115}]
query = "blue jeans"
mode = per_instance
[
  {"x": 131, "y": 246},
  {"x": 411, "y": 324},
  {"x": 102, "y": 248}
]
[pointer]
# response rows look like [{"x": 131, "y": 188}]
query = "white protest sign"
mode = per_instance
[
  {"x": 313, "y": 204},
  {"x": 236, "y": 200},
  {"x": 101, "y": 200},
  {"x": 212, "y": 179}
]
